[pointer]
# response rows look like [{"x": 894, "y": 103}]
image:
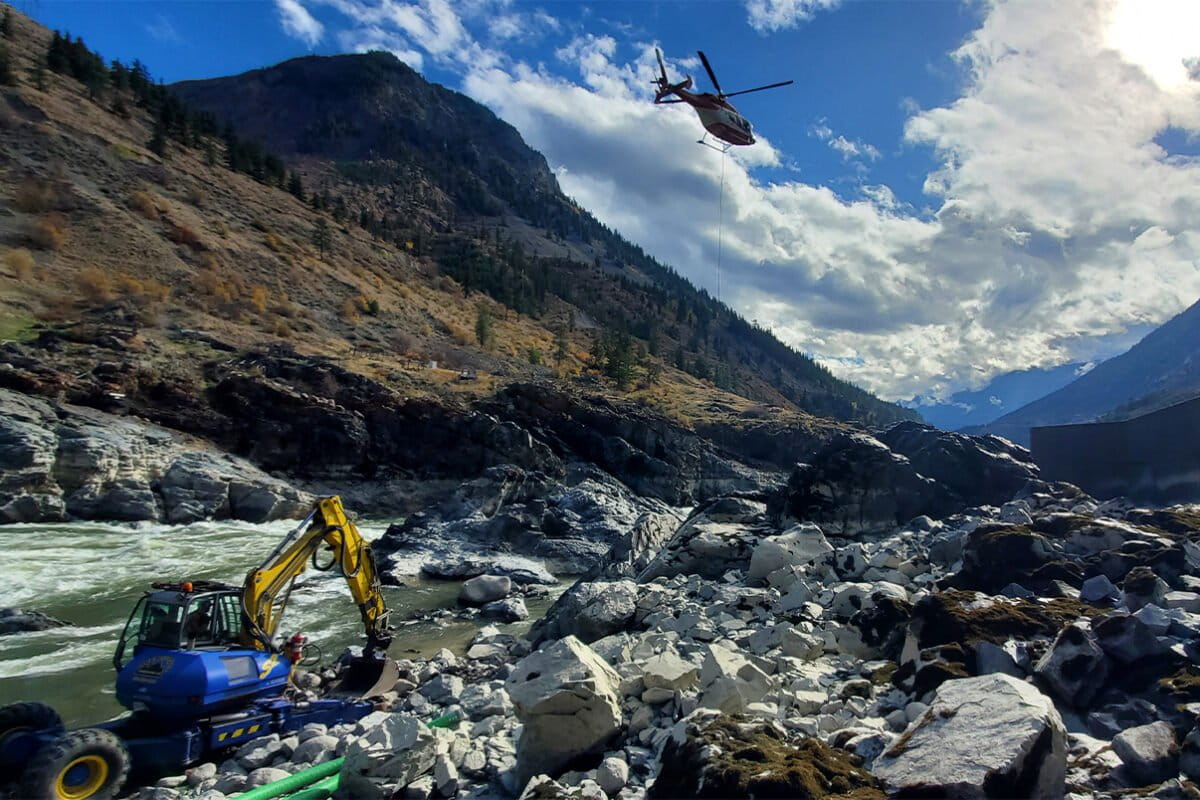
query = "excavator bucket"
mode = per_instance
[{"x": 370, "y": 677}]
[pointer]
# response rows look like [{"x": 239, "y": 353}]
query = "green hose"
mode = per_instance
[
  {"x": 299, "y": 784},
  {"x": 295, "y": 782},
  {"x": 319, "y": 790}
]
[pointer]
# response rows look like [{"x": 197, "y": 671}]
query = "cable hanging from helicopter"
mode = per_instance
[{"x": 719, "y": 118}]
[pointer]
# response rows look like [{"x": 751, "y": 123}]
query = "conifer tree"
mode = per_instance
[
  {"x": 6, "y": 74},
  {"x": 6, "y": 24},
  {"x": 158, "y": 142},
  {"x": 322, "y": 237},
  {"x": 483, "y": 327}
]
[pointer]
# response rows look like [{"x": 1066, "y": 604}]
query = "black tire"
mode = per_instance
[
  {"x": 25, "y": 717},
  {"x": 91, "y": 763}
]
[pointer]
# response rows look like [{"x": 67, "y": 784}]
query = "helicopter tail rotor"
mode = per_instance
[{"x": 665, "y": 87}]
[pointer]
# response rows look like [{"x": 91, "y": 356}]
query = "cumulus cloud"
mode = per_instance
[
  {"x": 298, "y": 22},
  {"x": 767, "y": 16},
  {"x": 1059, "y": 229}
]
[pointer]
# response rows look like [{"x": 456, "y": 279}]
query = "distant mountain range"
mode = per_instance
[
  {"x": 1002, "y": 395},
  {"x": 1160, "y": 370}
]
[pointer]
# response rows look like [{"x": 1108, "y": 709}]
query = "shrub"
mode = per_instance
[
  {"x": 350, "y": 310},
  {"x": 373, "y": 307},
  {"x": 148, "y": 290},
  {"x": 535, "y": 356},
  {"x": 281, "y": 329},
  {"x": 35, "y": 195},
  {"x": 259, "y": 296},
  {"x": 94, "y": 285},
  {"x": 47, "y": 232},
  {"x": 460, "y": 335},
  {"x": 143, "y": 203},
  {"x": 182, "y": 234},
  {"x": 210, "y": 284},
  {"x": 20, "y": 261}
]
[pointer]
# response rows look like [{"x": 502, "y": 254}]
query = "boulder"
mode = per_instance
[
  {"x": 395, "y": 749},
  {"x": 484, "y": 589},
  {"x": 1149, "y": 752},
  {"x": 855, "y": 485},
  {"x": 17, "y": 620},
  {"x": 1189, "y": 755},
  {"x": 633, "y": 553},
  {"x": 801, "y": 544},
  {"x": 589, "y": 611},
  {"x": 668, "y": 671},
  {"x": 730, "y": 681},
  {"x": 992, "y": 736},
  {"x": 510, "y": 609},
  {"x": 716, "y": 538},
  {"x": 711, "y": 756},
  {"x": 1127, "y": 639},
  {"x": 1075, "y": 667},
  {"x": 568, "y": 701},
  {"x": 979, "y": 470},
  {"x": 612, "y": 775}
]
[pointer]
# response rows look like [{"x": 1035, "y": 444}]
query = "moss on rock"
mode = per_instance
[{"x": 730, "y": 758}]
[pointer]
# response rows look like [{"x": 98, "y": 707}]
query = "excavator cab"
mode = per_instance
[{"x": 182, "y": 617}]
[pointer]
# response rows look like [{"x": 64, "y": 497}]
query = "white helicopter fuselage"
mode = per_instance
[{"x": 724, "y": 122}]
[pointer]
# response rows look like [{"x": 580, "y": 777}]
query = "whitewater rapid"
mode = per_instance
[{"x": 91, "y": 574}]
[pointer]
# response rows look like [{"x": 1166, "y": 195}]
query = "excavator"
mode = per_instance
[{"x": 200, "y": 670}]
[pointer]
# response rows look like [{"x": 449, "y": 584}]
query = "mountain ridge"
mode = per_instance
[{"x": 1160, "y": 370}]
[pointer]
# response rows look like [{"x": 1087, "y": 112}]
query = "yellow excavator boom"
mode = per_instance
[{"x": 265, "y": 593}]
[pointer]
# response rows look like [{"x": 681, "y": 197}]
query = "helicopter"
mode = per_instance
[{"x": 717, "y": 115}]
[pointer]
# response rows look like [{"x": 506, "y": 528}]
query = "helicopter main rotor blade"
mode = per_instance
[
  {"x": 759, "y": 89},
  {"x": 664, "y": 102},
  {"x": 661, "y": 67},
  {"x": 708, "y": 68}
]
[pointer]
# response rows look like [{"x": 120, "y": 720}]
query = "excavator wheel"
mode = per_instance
[
  {"x": 88, "y": 764},
  {"x": 18, "y": 723}
]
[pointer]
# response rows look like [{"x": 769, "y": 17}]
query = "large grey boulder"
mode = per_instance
[
  {"x": 716, "y": 538},
  {"x": 589, "y": 611},
  {"x": 800, "y": 544},
  {"x": 1149, "y": 752},
  {"x": 729, "y": 681},
  {"x": 993, "y": 736},
  {"x": 394, "y": 749},
  {"x": 567, "y": 698},
  {"x": 484, "y": 589}
]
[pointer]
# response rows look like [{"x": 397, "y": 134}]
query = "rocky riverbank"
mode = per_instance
[{"x": 868, "y": 630}]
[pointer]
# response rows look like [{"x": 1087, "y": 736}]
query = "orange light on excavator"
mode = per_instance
[{"x": 187, "y": 586}]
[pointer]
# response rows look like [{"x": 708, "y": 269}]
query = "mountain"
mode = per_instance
[
  {"x": 1160, "y": 370},
  {"x": 1002, "y": 394},
  {"x": 151, "y": 238},
  {"x": 430, "y": 169}
]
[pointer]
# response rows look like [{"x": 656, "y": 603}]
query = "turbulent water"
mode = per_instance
[{"x": 92, "y": 574}]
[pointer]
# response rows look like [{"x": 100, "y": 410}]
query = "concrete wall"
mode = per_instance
[{"x": 1154, "y": 458}]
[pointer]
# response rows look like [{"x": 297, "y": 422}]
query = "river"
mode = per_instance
[{"x": 91, "y": 574}]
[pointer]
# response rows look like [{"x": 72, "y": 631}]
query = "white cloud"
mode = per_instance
[
  {"x": 1059, "y": 229},
  {"x": 162, "y": 30},
  {"x": 767, "y": 16},
  {"x": 298, "y": 22}
]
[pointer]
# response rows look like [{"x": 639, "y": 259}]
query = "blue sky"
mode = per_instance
[{"x": 949, "y": 191}]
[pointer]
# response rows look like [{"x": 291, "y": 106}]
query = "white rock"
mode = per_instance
[
  {"x": 612, "y": 775},
  {"x": 484, "y": 589},
  {"x": 315, "y": 750},
  {"x": 397, "y": 750},
  {"x": 264, "y": 775},
  {"x": 801, "y": 544},
  {"x": 567, "y": 698},
  {"x": 201, "y": 773},
  {"x": 1149, "y": 752},
  {"x": 445, "y": 777},
  {"x": 667, "y": 670},
  {"x": 991, "y": 736}
]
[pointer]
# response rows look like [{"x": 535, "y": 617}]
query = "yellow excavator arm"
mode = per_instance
[{"x": 267, "y": 588}]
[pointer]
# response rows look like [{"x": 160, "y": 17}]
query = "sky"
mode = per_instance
[{"x": 950, "y": 191}]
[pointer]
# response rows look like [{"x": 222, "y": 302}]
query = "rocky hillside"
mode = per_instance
[
  {"x": 420, "y": 165},
  {"x": 1160, "y": 370}
]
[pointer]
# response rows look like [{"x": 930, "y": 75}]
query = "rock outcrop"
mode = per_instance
[{"x": 62, "y": 462}]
